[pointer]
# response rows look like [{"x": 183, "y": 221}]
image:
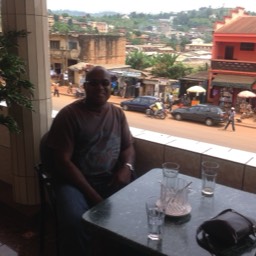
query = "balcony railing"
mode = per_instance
[{"x": 233, "y": 65}]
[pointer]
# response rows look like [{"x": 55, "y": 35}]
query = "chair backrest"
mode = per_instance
[
  {"x": 45, "y": 185},
  {"x": 46, "y": 154},
  {"x": 47, "y": 193},
  {"x": 45, "y": 168}
]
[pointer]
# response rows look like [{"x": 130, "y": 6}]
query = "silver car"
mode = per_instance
[{"x": 205, "y": 113}]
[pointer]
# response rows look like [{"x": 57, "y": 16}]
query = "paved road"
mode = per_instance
[{"x": 244, "y": 138}]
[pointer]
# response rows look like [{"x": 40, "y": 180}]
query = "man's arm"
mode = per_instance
[
  {"x": 71, "y": 173},
  {"x": 124, "y": 174}
]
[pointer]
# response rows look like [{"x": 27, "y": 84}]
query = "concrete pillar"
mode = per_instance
[{"x": 29, "y": 15}]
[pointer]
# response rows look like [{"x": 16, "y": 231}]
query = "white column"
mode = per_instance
[{"x": 29, "y": 15}]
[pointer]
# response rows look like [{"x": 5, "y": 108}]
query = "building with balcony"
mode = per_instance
[
  {"x": 233, "y": 63},
  {"x": 64, "y": 51},
  {"x": 69, "y": 49}
]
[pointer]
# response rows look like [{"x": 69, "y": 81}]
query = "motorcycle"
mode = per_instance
[{"x": 161, "y": 114}]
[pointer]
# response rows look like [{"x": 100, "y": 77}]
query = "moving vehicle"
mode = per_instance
[
  {"x": 140, "y": 103},
  {"x": 206, "y": 113},
  {"x": 161, "y": 114}
]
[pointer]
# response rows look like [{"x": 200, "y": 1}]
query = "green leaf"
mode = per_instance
[{"x": 14, "y": 88}]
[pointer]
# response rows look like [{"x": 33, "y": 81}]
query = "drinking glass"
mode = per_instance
[
  {"x": 209, "y": 175},
  {"x": 170, "y": 174},
  {"x": 155, "y": 217}
]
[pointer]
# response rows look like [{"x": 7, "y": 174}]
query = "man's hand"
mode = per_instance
[{"x": 121, "y": 178}]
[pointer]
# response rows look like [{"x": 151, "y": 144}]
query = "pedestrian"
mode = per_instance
[
  {"x": 66, "y": 78},
  {"x": 123, "y": 89},
  {"x": 137, "y": 88},
  {"x": 93, "y": 154},
  {"x": 56, "y": 89},
  {"x": 69, "y": 90},
  {"x": 231, "y": 119},
  {"x": 170, "y": 100}
]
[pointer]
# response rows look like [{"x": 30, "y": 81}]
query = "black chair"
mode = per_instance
[{"x": 46, "y": 192}]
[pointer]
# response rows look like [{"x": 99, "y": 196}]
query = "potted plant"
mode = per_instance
[{"x": 14, "y": 88}]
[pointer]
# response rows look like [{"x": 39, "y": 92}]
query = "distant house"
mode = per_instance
[
  {"x": 233, "y": 63},
  {"x": 126, "y": 17},
  {"x": 102, "y": 27},
  {"x": 50, "y": 21},
  {"x": 150, "y": 49},
  {"x": 198, "y": 45}
]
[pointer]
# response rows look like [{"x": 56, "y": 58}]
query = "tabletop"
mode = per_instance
[{"x": 123, "y": 215}]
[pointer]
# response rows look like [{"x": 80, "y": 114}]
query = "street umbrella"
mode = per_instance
[
  {"x": 196, "y": 89},
  {"x": 246, "y": 94}
]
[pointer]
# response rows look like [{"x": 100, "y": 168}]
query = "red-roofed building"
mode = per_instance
[{"x": 233, "y": 63}]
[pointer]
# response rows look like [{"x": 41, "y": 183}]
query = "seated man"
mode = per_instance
[{"x": 93, "y": 158}]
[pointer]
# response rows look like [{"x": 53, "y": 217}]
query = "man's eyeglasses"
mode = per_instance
[{"x": 95, "y": 82}]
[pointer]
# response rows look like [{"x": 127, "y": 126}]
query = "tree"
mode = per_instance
[
  {"x": 61, "y": 27},
  {"x": 166, "y": 65},
  {"x": 56, "y": 17},
  {"x": 70, "y": 22},
  {"x": 65, "y": 15},
  {"x": 138, "y": 60},
  {"x": 14, "y": 89}
]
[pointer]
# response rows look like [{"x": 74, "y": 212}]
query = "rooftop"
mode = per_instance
[{"x": 242, "y": 25}]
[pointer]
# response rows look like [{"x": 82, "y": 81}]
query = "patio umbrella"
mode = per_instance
[
  {"x": 196, "y": 89},
  {"x": 246, "y": 94}
]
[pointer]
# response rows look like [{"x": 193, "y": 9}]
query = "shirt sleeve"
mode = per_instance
[{"x": 62, "y": 131}]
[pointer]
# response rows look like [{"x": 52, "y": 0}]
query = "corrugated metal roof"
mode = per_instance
[
  {"x": 242, "y": 25},
  {"x": 234, "y": 78},
  {"x": 234, "y": 81},
  {"x": 112, "y": 66},
  {"x": 201, "y": 75}
]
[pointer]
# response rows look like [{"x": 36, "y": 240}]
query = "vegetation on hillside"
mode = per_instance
[
  {"x": 200, "y": 22},
  {"x": 162, "y": 65},
  {"x": 182, "y": 21}
]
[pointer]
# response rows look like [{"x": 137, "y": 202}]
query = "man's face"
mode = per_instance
[{"x": 98, "y": 87}]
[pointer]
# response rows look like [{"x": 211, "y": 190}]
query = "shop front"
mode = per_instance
[
  {"x": 129, "y": 82},
  {"x": 197, "y": 79},
  {"x": 225, "y": 89}
]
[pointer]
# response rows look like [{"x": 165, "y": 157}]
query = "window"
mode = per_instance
[
  {"x": 54, "y": 44},
  {"x": 144, "y": 101},
  {"x": 137, "y": 100},
  {"x": 72, "y": 45},
  {"x": 152, "y": 101},
  {"x": 204, "y": 109},
  {"x": 247, "y": 46}
]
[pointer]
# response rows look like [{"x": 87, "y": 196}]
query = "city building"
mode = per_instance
[
  {"x": 69, "y": 49},
  {"x": 233, "y": 64}
]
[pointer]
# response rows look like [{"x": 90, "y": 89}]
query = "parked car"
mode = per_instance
[
  {"x": 140, "y": 103},
  {"x": 206, "y": 113}
]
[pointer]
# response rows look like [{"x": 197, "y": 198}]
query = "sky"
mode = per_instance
[{"x": 146, "y": 6}]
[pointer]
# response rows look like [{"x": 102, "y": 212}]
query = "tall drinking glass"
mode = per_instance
[
  {"x": 209, "y": 174},
  {"x": 170, "y": 174}
]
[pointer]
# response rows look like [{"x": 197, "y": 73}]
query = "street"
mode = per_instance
[{"x": 243, "y": 138}]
